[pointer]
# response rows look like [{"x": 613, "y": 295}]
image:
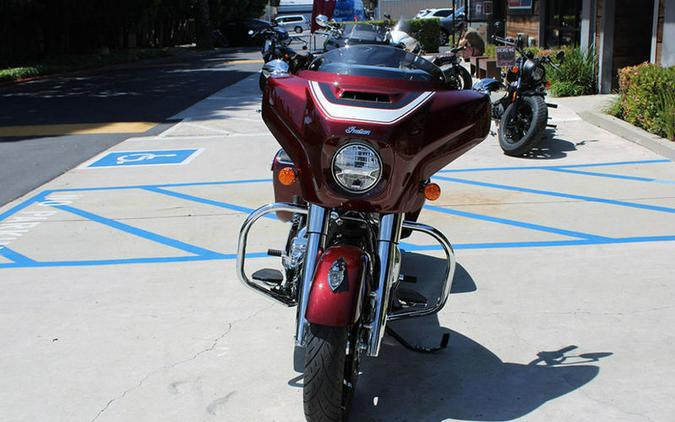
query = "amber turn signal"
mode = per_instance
[
  {"x": 432, "y": 191},
  {"x": 547, "y": 84},
  {"x": 514, "y": 69},
  {"x": 287, "y": 176}
]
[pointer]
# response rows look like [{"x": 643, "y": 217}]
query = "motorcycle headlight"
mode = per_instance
[
  {"x": 357, "y": 167},
  {"x": 538, "y": 73}
]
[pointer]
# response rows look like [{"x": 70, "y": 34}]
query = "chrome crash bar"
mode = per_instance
[
  {"x": 420, "y": 311},
  {"x": 241, "y": 249}
]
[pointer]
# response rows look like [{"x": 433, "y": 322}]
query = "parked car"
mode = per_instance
[
  {"x": 297, "y": 23},
  {"x": 434, "y": 13},
  {"x": 236, "y": 32},
  {"x": 452, "y": 23}
]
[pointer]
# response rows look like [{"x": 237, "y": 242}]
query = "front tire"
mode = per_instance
[
  {"x": 329, "y": 375},
  {"x": 465, "y": 77},
  {"x": 298, "y": 30},
  {"x": 526, "y": 128}
]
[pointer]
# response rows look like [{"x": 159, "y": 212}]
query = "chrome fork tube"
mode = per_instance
[
  {"x": 389, "y": 258},
  {"x": 317, "y": 225}
]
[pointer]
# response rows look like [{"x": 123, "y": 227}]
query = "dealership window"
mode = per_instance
[{"x": 563, "y": 23}]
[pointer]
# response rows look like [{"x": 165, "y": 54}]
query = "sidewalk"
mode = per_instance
[{"x": 120, "y": 300}]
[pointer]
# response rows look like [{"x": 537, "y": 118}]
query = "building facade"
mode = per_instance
[{"x": 622, "y": 32}]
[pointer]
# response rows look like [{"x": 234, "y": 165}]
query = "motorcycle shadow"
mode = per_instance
[
  {"x": 551, "y": 148},
  {"x": 466, "y": 381}
]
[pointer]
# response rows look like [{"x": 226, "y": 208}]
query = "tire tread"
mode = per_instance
[{"x": 324, "y": 372}]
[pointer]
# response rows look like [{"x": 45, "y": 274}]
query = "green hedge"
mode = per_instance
[
  {"x": 426, "y": 31},
  {"x": 647, "y": 98}
]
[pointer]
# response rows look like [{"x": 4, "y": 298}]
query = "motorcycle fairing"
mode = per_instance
[
  {"x": 341, "y": 306},
  {"x": 442, "y": 126}
]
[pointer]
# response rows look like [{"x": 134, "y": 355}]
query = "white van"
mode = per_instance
[{"x": 297, "y": 23}]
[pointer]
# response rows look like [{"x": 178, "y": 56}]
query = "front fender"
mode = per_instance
[
  {"x": 487, "y": 85},
  {"x": 340, "y": 307}
]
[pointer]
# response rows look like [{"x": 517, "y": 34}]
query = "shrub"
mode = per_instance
[
  {"x": 648, "y": 98},
  {"x": 575, "y": 75},
  {"x": 614, "y": 108},
  {"x": 426, "y": 31}
]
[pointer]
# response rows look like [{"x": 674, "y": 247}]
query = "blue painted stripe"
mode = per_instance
[
  {"x": 616, "y": 176},
  {"x": 201, "y": 200},
  {"x": 614, "y": 163},
  {"x": 543, "y": 243},
  {"x": 560, "y": 194},
  {"x": 13, "y": 255},
  {"x": 515, "y": 223},
  {"x": 177, "y": 244},
  {"x": 132, "y": 261},
  {"x": 25, "y": 204},
  {"x": 169, "y": 185}
]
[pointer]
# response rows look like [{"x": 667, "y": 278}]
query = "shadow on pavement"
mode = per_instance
[
  {"x": 551, "y": 148},
  {"x": 466, "y": 381}
]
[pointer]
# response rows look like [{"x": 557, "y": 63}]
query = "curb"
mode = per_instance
[{"x": 631, "y": 133}]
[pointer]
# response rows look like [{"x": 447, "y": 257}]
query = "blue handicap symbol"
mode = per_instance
[{"x": 144, "y": 158}]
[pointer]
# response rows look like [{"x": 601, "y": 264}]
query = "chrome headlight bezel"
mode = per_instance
[{"x": 337, "y": 172}]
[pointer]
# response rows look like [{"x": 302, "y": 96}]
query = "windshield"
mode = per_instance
[
  {"x": 378, "y": 61},
  {"x": 403, "y": 25}
]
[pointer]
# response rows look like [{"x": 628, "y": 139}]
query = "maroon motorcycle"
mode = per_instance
[{"x": 363, "y": 129}]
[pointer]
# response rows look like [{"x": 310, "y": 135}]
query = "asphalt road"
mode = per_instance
[{"x": 75, "y": 108}]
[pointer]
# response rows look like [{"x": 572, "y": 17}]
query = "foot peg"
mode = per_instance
[
  {"x": 552, "y": 105},
  {"x": 407, "y": 278},
  {"x": 410, "y": 296},
  {"x": 551, "y": 125},
  {"x": 269, "y": 276},
  {"x": 419, "y": 349}
]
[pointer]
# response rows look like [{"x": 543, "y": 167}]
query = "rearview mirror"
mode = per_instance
[
  {"x": 275, "y": 68},
  {"x": 560, "y": 56},
  {"x": 321, "y": 20}
]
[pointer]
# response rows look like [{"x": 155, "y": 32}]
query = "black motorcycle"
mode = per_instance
[
  {"x": 276, "y": 46},
  {"x": 522, "y": 113},
  {"x": 455, "y": 73}
]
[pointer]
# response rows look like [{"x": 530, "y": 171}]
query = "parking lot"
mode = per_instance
[{"x": 120, "y": 300}]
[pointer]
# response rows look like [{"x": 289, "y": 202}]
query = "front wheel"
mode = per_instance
[
  {"x": 298, "y": 30},
  {"x": 330, "y": 374},
  {"x": 464, "y": 76},
  {"x": 521, "y": 130}
]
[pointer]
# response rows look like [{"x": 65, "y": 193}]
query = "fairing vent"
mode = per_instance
[{"x": 366, "y": 96}]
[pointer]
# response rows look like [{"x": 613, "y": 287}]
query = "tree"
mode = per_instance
[{"x": 204, "y": 36}]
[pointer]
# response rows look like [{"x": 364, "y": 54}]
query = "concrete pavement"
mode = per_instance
[{"x": 120, "y": 300}]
